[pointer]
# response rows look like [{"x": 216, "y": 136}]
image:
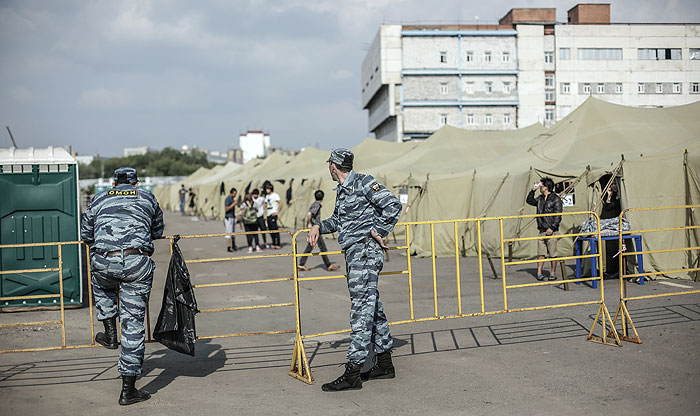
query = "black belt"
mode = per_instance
[{"x": 127, "y": 252}]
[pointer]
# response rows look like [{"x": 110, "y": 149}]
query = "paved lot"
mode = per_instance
[{"x": 518, "y": 363}]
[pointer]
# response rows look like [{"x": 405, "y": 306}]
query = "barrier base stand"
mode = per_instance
[
  {"x": 300, "y": 364},
  {"x": 607, "y": 338},
  {"x": 626, "y": 320}
]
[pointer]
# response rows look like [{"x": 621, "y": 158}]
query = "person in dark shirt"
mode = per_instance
[
  {"x": 547, "y": 202},
  {"x": 313, "y": 217},
  {"x": 230, "y": 219},
  {"x": 611, "y": 209}
]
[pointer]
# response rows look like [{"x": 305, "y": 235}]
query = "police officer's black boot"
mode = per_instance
[
  {"x": 130, "y": 394},
  {"x": 350, "y": 380},
  {"x": 383, "y": 368},
  {"x": 108, "y": 338}
]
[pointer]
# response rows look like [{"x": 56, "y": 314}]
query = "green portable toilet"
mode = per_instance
[{"x": 39, "y": 200}]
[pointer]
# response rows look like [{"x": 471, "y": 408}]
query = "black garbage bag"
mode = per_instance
[{"x": 175, "y": 327}]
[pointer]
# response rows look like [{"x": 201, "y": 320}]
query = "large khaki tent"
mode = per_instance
[{"x": 457, "y": 173}]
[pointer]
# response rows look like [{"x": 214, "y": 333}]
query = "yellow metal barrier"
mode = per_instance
[
  {"x": 149, "y": 338},
  {"x": 247, "y": 282},
  {"x": 602, "y": 313},
  {"x": 59, "y": 295},
  {"x": 300, "y": 368},
  {"x": 622, "y": 311}
]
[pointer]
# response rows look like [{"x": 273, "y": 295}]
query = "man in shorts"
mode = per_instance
[
  {"x": 547, "y": 202},
  {"x": 230, "y": 219}
]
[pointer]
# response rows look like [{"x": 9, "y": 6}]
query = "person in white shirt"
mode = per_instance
[
  {"x": 259, "y": 204},
  {"x": 272, "y": 202}
]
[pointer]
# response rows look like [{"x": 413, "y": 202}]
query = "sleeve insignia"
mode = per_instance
[{"x": 375, "y": 187}]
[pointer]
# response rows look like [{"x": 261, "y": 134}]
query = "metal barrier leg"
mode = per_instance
[
  {"x": 626, "y": 320},
  {"x": 300, "y": 364},
  {"x": 605, "y": 317}
]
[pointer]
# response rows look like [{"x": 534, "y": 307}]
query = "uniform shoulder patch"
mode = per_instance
[
  {"x": 375, "y": 186},
  {"x": 116, "y": 192}
]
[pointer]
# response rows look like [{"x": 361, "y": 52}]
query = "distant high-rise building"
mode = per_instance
[
  {"x": 254, "y": 144},
  {"x": 528, "y": 68},
  {"x": 135, "y": 151}
]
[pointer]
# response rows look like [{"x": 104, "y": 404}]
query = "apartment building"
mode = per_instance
[{"x": 526, "y": 69}]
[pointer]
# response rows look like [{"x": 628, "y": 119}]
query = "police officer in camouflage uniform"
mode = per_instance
[
  {"x": 365, "y": 213},
  {"x": 120, "y": 225}
]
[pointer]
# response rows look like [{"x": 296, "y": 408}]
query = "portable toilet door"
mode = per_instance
[{"x": 39, "y": 200}]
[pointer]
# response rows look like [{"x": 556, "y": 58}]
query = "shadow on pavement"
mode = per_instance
[
  {"x": 212, "y": 358},
  {"x": 208, "y": 359}
]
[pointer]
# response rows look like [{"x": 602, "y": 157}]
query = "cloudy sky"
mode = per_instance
[{"x": 102, "y": 75}]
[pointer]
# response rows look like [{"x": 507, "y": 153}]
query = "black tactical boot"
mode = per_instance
[
  {"x": 350, "y": 380},
  {"x": 129, "y": 393},
  {"x": 383, "y": 368},
  {"x": 108, "y": 338}
]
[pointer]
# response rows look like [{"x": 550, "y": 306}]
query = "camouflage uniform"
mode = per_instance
[
  {"x": 124, "y": 217},
  {"x": 363, "y": 205}
]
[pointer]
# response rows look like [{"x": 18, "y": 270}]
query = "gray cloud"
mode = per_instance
[{"x": 107, "y": 74}]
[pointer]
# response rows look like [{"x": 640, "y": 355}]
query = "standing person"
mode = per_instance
[
  {"x": 547, "y": 202},
  {"x": 313, "y": 217},
  {"x": 261, "y": 206},
  {"x": 249, "y": 216},
  {"x": 192, "y": 195},
  {"x": 365, "y": 213},
  {"x": 611, "y": 209},
  {"x": 182, "y": 194},
  {"x": 230, "y": 219},
  {"x": 272, "y": 201},
  {"x": 120, "y": 225}
]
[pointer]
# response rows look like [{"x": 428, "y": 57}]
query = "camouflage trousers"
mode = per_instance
[
  {"x": 364, "y": 260},
  {"x": 121, "y": 286}
]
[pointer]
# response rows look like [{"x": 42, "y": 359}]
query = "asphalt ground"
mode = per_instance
[{"x": 532, "y": 362}]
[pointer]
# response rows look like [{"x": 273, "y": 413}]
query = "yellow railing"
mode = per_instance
[
  {"x": 58, "y": 295},
  {"x": 622, "y": 310},
  {"x": 238, "y": 283},
  {"x": 300, "y": 367}
]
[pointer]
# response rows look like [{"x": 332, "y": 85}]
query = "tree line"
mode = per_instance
[{"x": 167, "y": 162}]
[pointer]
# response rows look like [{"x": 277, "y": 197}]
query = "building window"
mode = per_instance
[
  {"x": 564, "y": 54},
  {"x": 549, "y": 95},
  {"x": 586, "y": 88},
  {"x": 470, "y": 119},
  {"x": 470, "y": 56},
  {"x": 659, "y": 88},
  {"x": 487, "y": 56},
  {"x": 489, "y": 87},
  {"x": 597, "y": 54},
  {"x": 506, "y": 87},
  {"x": 676, "y": 87},
  {"x": 548, "y": 80},
  {"x": 488, "y": 119},
  {"x": 469, "y": 88},
  {"x": 565, "y": 88},
  {"x": 443, "y": 119},
  {"x": 549, "y": 114},
  {"x": 505, "y": 57},
  {"x": 443, "y": 57},
  {"x": 506, "y": 119},
  {"x": 600, "y": 89},
  {"x": 659, "y": 54},
  {"x": 695, "y": 87},
  {"x": 694, "y": 54},
  {"x": 618, "y": 88},
  {"x": 640, "y": 88},
  {"x": 549, "y": 57},
  {"x": 443, "y": 88}
]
